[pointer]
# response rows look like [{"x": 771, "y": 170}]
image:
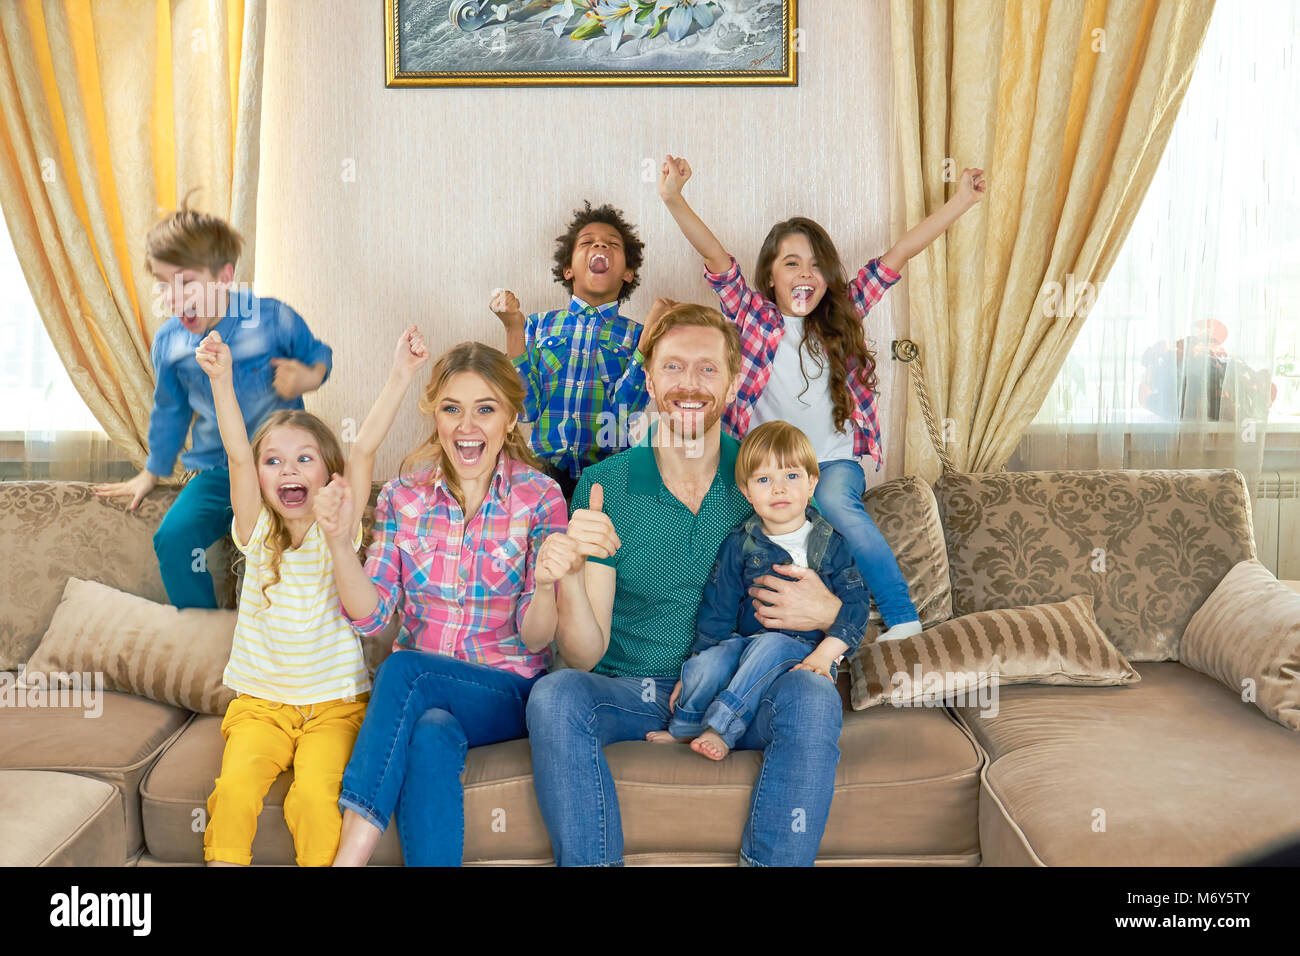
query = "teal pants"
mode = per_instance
[{"x": 198, "y": 518}]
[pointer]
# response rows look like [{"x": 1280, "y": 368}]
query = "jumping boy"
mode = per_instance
[
  {"x": 277, "y": 360},
  {"x": 580, "y": 365}
]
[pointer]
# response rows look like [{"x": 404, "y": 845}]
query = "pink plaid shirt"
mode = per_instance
[
  {"x": 761, "y": 328},
  {"x": 464, "y": 588}
]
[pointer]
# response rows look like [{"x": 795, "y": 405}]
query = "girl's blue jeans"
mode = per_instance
[
  {"x": 723, "y": 684},
  {"x": 425, "y": 711},
  {"x": 839, "y": 498}
]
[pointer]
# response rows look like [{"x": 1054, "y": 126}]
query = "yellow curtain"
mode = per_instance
[
  {"x": 112, "y": 112},
  {"x": 1067, "y": 105}
]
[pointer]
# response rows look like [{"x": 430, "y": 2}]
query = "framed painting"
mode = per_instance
[{"x": 590, "y": 42}]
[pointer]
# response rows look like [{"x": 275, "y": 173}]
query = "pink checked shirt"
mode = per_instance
[
  {"x": 464, "y": 587},
  {"x": 761, "y": 328}
]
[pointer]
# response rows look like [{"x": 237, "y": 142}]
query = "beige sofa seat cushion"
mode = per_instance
[
  {"x": 905, "y": 512},
  {"x": 906, "y": 791},
  {"x": 1247, "y": 636},
  {"x": 1183, "y": 771},
  {"x": 116, "y": 747},
  {"x": 1149, "y": 546},
  {"x": 59, "y": 819}
]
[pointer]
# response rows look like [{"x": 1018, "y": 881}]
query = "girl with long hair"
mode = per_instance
[
  {"x": 806, "y": 359},
  {"x": 295, "y": 662}
]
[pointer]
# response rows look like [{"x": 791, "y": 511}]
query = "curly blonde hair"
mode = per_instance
[{"x": 278, "y": 538}]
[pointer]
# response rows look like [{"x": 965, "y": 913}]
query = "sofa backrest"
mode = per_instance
[
  {"x": 1149, "y": 546},
  {"x": 53, "y": 530}
]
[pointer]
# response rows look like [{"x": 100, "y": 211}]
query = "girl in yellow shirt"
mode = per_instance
[{"x": 295, "y": 660}]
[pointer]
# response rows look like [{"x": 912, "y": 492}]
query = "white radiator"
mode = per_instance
[{"x": 1276, "y": 507}]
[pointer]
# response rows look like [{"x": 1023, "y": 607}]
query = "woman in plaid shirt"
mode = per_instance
[
  {"x": 822, "y": 377},
  {"x": 456, "y": 547}
]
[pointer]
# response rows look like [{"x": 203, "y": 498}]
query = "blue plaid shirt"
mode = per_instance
[{"x": 584, "y": 380}]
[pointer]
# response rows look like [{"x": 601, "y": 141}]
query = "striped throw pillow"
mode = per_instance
[
  {"x": 126, "y": 643},
  {"x": 1247, "y": 636},
  {"x": 1038, "y": 644}
]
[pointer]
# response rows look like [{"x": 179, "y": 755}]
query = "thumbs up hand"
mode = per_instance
[{"x": 592, "y": 529}]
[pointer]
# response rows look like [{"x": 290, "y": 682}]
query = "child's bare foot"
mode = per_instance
[
  {"x": 710, "y": 745},
  {"x": 664, "y": 737}
]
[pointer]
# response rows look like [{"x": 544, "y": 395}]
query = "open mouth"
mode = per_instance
[
  {"x": 292, "y": 494},
  {"x": 801, "y": 297},
  {"x": 598, "y": 264},
  {"x": 470, "y": 452}
]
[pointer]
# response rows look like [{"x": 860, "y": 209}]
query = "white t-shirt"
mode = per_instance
[
  {"x": 804, "y": 403},
  {"x": 796, "y": 542}
]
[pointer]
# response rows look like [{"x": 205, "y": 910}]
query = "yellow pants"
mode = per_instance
[{"x": 263, "y": 739}]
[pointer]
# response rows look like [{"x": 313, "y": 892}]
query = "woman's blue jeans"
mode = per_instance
[
  {"x": 425, "y": 711},
  {"x": 573, "y": 715},
  {"x": 839, "y": 499}
]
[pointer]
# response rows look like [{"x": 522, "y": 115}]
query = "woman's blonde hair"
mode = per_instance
[
  {"x": 780, "y": 441},
  {"x": 493, "y": 367},
  {"x": 277, "y": 535}
]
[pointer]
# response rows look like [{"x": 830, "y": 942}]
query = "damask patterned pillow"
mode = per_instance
[
  {"x": 1149, "y": 546},
  {"x": 905, "y": 512}
]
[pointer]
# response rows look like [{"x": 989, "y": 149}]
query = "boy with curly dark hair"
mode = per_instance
[{"x": 580, "y": 364}]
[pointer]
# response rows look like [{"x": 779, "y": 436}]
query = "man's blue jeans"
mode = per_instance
[
  {"x": 723, "y": 684},
  {"x": 839, "y": 499},
  {"x": 425, "y": 711},
  {"x": 198, "y": 518},
  {"x": 573, "y": 714}
]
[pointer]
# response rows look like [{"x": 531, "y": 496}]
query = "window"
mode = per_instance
[
  {"x": 46, "y": 430},
  {"x": 1197, "y": 326},
  {"x": 36, "y": 395}
]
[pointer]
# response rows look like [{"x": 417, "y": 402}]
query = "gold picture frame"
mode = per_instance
[{"x": 449, "y": 34}]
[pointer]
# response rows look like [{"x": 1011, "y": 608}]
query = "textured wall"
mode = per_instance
[{"x": 379, "y": 208}]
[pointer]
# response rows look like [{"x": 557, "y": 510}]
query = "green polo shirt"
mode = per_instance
[{"x": 665, "y": 558}]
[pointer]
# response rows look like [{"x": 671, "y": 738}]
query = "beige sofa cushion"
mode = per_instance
[
  {"x": 153, "y": 650},
  {"x": 1247, "y": 636},
  {"x": 59, "y": 819},
  {"x": 906, "y": 513},
  {"x": 1174, "y": 768},
  {"x": 1044, "y": 644},
  {"x": 114, "y": 740},
  {"x": 905, "y": 792},
  {"x": 1149, "y": 546}
]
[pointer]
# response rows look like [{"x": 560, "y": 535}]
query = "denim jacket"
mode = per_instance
[{"x": 748, "y": 553}]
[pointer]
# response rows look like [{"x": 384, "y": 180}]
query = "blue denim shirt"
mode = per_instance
[
  {"x": 257, "y": 330},
  {"x": 747, "y": 554}
]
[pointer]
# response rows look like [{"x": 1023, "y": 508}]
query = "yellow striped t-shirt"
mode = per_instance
[{"x": 300, "y": 650}]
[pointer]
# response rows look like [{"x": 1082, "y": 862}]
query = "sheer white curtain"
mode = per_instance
[
  {"x": 1189, "y": 357},
  {"x": 46, "y": 431}
]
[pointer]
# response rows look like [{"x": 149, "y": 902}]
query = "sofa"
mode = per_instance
[{"x": 1173, "y": 769}]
